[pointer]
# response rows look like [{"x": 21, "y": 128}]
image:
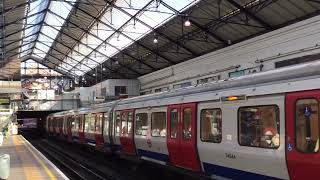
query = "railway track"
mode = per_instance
[{"x": 74, "y": 168}]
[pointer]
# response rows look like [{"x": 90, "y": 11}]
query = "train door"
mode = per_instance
[
  {"x": 81, "y": 129},
  {"x": 99, "y": 130},
  {"x": 302, "y": 138},
  {"x": 126, "y": 132},
  {"x": 75, "y": 128},
  {"x": 181, "y": 140},
  {"x": 70, "y": 122}
]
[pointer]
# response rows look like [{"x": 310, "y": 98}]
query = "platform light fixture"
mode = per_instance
[
  {"x": 103, "y": 69},
  {"x": 155, "y": 40},
  {"x": 187, "y": 23}
]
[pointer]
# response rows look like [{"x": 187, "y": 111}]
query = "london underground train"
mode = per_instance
[{"x": 259, "y": 126}]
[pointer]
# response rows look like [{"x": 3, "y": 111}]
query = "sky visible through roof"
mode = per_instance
[{"x": 115, "y": 30}]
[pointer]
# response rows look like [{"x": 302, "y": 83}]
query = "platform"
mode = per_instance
[{"x": 27, "y": 163}]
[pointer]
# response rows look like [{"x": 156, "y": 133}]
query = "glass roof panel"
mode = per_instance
[
  {"x": 180, "y": 5},
  {"x": 107, "y": 50},
  {"x": 120, "y": 26},
  {"x": 33, "y": 17},
  {"x": 52, "y": 24}
]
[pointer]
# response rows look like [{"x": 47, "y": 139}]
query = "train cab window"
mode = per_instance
[
  {"x": 99, "y": 119},
  {"x": 211, "y": 125},
  {"x": 158, "y": 124},
  {"x": 187, "y": 120},
  {"x": 142, "y": 124},
  {"x": 130, "y": 122},
  {"x": 174, "y": 116},
  {"x": 259, "y": 126},
  {"x": 307, "y": 125},
  {"x": 86, "y": 122}
]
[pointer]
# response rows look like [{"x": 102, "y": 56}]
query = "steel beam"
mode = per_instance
[{"x": 249, "y": 13}]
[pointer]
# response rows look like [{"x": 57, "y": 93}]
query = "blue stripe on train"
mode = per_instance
[
  {"x": 212, "y": 169},
  {"x": 153, "y": 155}
]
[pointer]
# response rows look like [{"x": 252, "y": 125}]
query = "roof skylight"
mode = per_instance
[
  {"x": 117, "y": 29},
  {"x": 35, "y": 16}
]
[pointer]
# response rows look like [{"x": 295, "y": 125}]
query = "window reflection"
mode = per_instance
[
  {"x": 211, "y": 125},
  {"x": 187, "y": 123},
  {"x": 173, "y": 123},
  {"x": 307, "y": 125},
  {"x": 259, "y": 126},
  {"x": 158, "y": 124},
  {"x": 141, "y": 124}
]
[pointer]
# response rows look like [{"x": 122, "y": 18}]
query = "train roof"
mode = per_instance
[{"x": 273, "y": 76}]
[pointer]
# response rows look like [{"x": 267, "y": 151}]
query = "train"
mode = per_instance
[{"x": 263, "y": 125}]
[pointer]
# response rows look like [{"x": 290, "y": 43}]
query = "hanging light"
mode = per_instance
[
  {"x": 103, "y": 69},
  {"x": 155, "y": 40},
  {"x": 187, "y": 23},
  {"x": 93, "y": 74}
]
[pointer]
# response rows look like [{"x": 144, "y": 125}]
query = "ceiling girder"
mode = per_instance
[
  {"x": 138, "y": 42},
  {"x": 23, "y": 29},
  {"x": 83, "y": 33},
  {"x": 18, "y": 40},
  {"x": 249, "y": 13},
  {"x": 116, "y": 31},
  {"x": 44, "y": 64},
  {"x": 42, "y": 22},
  {"x": 66, "y": 70},
  {"x": 96, "y": 51},
  {"x": 20, "y": 19},
  {"x": 197, "y": 25},
  {"x": 158, "y": 32},
  {"x": 71, "y": 57}
]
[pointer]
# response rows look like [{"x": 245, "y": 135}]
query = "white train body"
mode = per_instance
[{"x": 172, "y": 128}]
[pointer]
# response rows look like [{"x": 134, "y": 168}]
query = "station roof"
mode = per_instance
[{"x": 95, "y": 40}]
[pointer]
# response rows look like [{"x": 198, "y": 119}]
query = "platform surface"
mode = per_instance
[{"x": 27, "y": 163}]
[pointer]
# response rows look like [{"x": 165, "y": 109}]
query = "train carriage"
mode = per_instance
[{"x": 260, "y": 126}]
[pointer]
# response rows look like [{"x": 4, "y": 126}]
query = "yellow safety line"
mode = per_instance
[
  {"x": 46, "y": 169},
  {"x": 30, "y": 172}
]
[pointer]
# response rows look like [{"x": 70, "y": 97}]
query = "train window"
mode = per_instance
[
  {"x": 106, "y": 123},
  {"x": 142, "y": 124},
  {"x": 72, "y": 122},
  {"x": 211, "y": 125},
  {"x": 81, "y": 123},
  {"x": 99, "y": 118},
  {"x": 118, "y": 122},
  {"x": 87, "y": 122},
  {"x": 124, "y": 119},
  {"x": 259, "y": 126},
  {"x": 76, "y": 122},
  {"x": 174, "y": 116},
  {"x": 158, "y": 124},
  {"x": 187, "y": 121},
  {"x": 130, "y": 122},
  {"x": 92, "y": 122},
  {"x": 307, "y": 125}
]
